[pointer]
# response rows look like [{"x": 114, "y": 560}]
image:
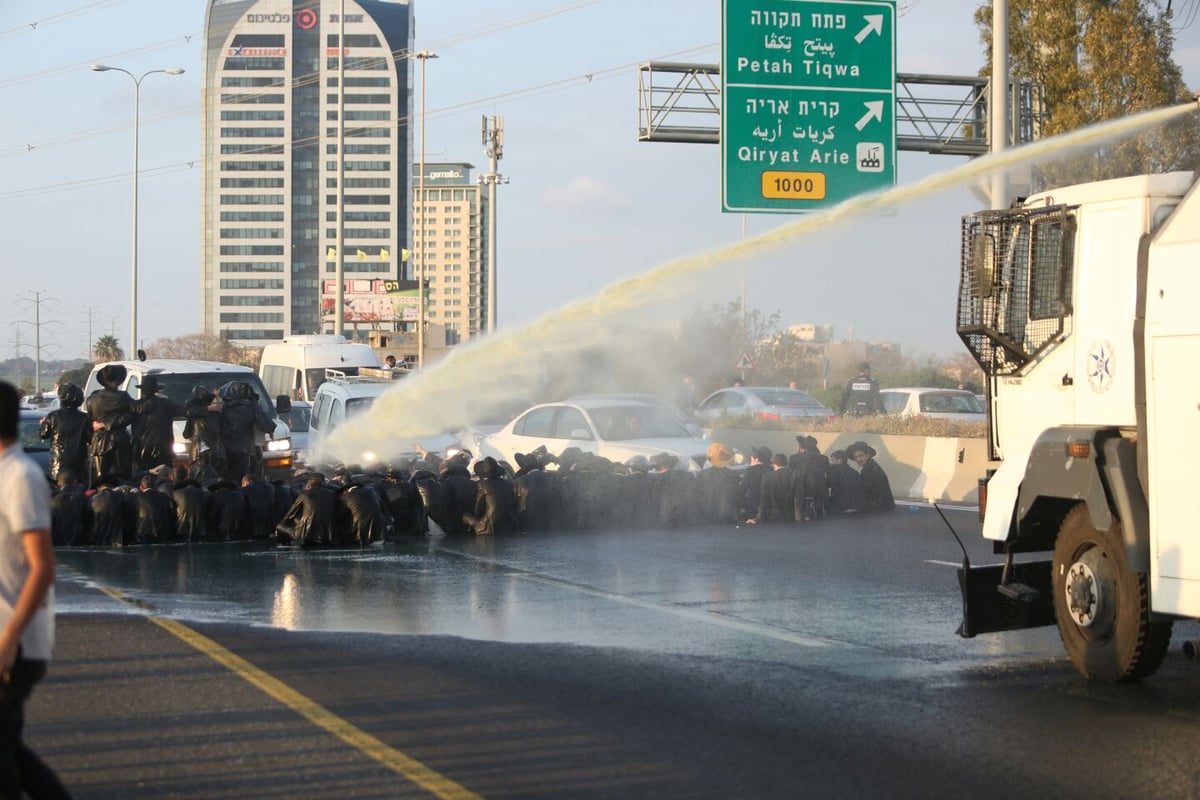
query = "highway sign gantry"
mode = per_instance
[{"x": 808, "y": 102}]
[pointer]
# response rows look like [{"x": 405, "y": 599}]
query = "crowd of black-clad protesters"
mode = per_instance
[{"x": 115, "y": 486}]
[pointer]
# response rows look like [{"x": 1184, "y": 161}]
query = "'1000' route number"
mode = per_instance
[{"x": 784, "y": 185}]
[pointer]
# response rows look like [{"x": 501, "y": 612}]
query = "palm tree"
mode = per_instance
[{"x": 107, "y": 348}]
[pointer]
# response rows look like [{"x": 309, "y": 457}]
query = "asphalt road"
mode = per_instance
[{"x": 755, "y": 663}]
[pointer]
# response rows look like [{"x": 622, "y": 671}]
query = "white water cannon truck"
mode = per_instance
[{"x": 1082, "y": 306}]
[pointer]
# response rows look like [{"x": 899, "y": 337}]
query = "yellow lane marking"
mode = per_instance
[{"x": 393, "y": 759}]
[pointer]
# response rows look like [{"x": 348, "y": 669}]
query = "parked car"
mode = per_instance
[
  {"x": 683, "y": 419},
  {"x": 761, "y": 402},
  {"x": 31, "y": 442},
  {"x": 614, "y": 429},
  {"x": 951, "y": 405},
  {"x": 486, "y": 421}
]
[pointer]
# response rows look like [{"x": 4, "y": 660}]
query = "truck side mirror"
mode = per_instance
[
  {"x": 283, "y": 404},
  {"x": 983, "y": 264}
]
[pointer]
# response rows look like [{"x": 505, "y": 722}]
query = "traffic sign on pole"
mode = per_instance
[{"x": 808, "y": 104}]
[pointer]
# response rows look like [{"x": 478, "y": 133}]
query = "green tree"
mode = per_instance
[
  {"x": 107, "y": 348},
  {"x": 1098, "y": 60},
  {"x": 709, "y": 344},
  {"x": 77, "y": 376}
]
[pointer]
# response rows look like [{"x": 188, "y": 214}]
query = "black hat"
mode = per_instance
[
  {"x": 487, "y": 468},
  {"x": 860, "y": 446},
  {"x": 664, "y": 461},
  {"x": 111, "y": 375},
  {"x": 149, "y": 384},
  {"x": 763, "y": 454}
]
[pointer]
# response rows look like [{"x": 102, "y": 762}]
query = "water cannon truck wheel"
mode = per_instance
[{"x": 1103, "y": 607}]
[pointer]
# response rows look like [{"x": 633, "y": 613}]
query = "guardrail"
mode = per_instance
[{"x": 918, "y": 467}]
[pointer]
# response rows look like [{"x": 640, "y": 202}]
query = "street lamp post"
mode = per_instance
[
  {"x": 137, "y": 91},
  {"x": 423, "y": 56}
]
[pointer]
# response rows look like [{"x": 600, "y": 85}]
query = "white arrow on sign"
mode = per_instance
[
  {"x": 874, "y": 109},
  {"x": 874, "y": 24}
]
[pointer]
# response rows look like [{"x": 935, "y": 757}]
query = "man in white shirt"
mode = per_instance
[{"x": 26, "y": 604}]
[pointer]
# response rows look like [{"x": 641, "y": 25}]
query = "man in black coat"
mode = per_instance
[
  {"x": 718, "y": 488},
  {"x": 70, "y": 512},
  {"x": 242, "y": 419},
  {"x": 310, "y": 521},
  {"x": 845, "y": 485},
  {"x": 403, "y": 501},
  {"x": 203, "y": 432},
  {"x": 193, "y": 511},
  {"x": 361, "y": 519},
  {"x": 69, "y": 432},
  {"x": 812, "y": 469},
  {"x": 111, "y": 515},
  {"x": 780, "y": 499},
  {"x": 495, "y": 502},
  {"x": 751, "y": 481},
  {"x": 459, "y": 496},
  {"x": 671, "y": 490},
  {"x": 110, "y": 411},
  {"x": 230, "y": 516},
  {"x": 156, "y": 519},
  {"x": 536, "y": 492},
  {"x": 877, "y": 491},
  {"x": 153, "y": 427},
  {"x": 260, "y": 507}
]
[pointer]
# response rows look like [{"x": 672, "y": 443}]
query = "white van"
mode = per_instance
[
  {"x": 343, "y": 396},
  {"x": 177, "y": 377},
  {"x": 296, "y": 366}
]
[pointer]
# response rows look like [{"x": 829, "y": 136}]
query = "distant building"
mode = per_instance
[
  {"x": 269, "y": 129},
  {"x": 812, "y": 332},
  {"x": 455, "y": 248}
]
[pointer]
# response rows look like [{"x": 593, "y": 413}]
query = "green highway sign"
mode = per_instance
[{"x": 808, "y": 102}]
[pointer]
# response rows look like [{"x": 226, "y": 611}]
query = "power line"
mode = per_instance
[
  {"x": 544, "y": 88},
  {"x": 298, "y": 81},
  {"x": 28, "y": 27},
  {"x": 81, "y": 65}
]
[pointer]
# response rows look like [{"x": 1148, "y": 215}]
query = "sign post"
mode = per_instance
[{"x": 808, "y": 104}]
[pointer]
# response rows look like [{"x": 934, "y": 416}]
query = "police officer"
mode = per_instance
[{"x": 860, "y": 398}]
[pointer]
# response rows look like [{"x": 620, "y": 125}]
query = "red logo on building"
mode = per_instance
[{"x": 306, "y": 18}]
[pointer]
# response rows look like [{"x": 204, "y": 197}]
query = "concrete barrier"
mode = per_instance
[{"x": 917, "y": 467}]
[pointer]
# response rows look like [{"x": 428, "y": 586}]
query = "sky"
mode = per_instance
[{"x": 586, "y": 205}]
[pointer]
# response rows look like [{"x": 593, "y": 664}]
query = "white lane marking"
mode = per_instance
[{"x": 943, "y": 563}]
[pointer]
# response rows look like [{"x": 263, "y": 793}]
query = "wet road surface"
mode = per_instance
[{"x": 818, "y": 661}]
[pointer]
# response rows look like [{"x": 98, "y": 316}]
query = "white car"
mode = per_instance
[
  {"x": 614, "y": 429},
  {"x": 951, "y": 405},
  {"x": 486, "y": 421}
]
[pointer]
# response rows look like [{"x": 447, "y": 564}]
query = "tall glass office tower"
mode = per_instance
[{"x": 270, "y": 193}]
